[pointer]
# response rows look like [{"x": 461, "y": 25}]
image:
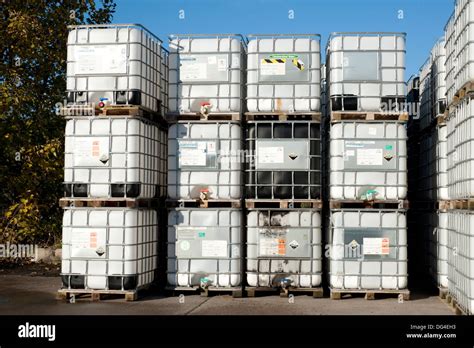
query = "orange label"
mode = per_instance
[
  {"x": 281, "y": 247},
  {"x": 95, "y": 148},
  {"x": 93, "y": 240}
]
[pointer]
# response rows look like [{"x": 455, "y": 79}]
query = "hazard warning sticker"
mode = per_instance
[{"x": 273, "y": 66}]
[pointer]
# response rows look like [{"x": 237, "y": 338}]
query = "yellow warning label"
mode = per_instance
[
  {"x": 299, "y": 64},
  {"x": 273, "y": 61}
]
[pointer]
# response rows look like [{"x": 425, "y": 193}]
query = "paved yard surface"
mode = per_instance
[{"x": 23, "y": 294}]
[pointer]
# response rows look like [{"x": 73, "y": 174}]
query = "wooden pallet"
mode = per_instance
[
  {"x": 110, "y": 202},
  {"x": 197, "y": 203},
  {"x": 465, "y": 91},
  {"x": 112, "y": 110},
  {"x": 338, "y": 116},
  {"x": 431, "y": 205},
  {"x": 441, "y": 119},
  {"x": 284, "y": 203},
  {"x": 70, "y": 295},
  {"x": 213, "y": 116},
  {"x": 336, "y": 294},
  {"x": 376, "y": 204},
  {"x": 461, "y": 204},
  {"x": 283, "y": 116},
  {"x": 453, "y": 303},
  {"x": 315, "y": 292},
  {"x": 236, "y": 292}
]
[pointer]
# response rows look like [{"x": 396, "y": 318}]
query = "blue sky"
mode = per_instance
[{"x": 423, "y": 20}]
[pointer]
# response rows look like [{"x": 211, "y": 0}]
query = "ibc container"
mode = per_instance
[
  {"x": 109, "y": 248},
  {"x": 115, "y": 156},
  {"x": 117, "y": 64},
  {"x": 366, "y": 71},
  {"x": 460, "y": 151},
  {"x": 461, "y": 258},
  {"x": 283, "y": 160},
  {"x": 368, "y": 249},
  {"x": 426, "y": 102},
  {"x": 442, "y": 192},
  {"x": 284, "y": 248},
  {"x": 451, "y": 59},
  {"x": 204, "y": 247},
  {"x": 459, "y": 47},
  {"x": 205, "y": 156},
  {"x": 368, "y": 160},
  {"x": 438, "y": 77},
  {"x": 207, "y": 69},
  {"x": 283, "y": 73},
  {"x": 438, "y": 247}
]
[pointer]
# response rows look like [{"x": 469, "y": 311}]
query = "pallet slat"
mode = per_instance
[
  {"x": 376, "y": 204},
  {"x": 217, "y": 116},
  {"x": 336, "y": 294},
  {"x": 110, "y": 202},
  {"x": 98, "y": 295},
  {"x": 113, "y": 110},
  {"x": 316, "y": 292},
  {"x": 236, "y": 292},
  {"x": 338, "y": 116},
  {"x": 197, "y": 203}
]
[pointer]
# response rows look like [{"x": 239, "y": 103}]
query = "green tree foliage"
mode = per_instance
[{"x": 33, "y": 36}]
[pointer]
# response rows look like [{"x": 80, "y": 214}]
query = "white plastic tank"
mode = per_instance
[
  {"x": 283, "y": 160},
  {"x": 284, "y": 73},
  {"x": 368, "y": 160},
  {"x": 207, "y": 69},
  {"x": 426, "y": 179},
  {"x": 438, "y": 77},
  {"x": 442, "y": 192},
  {"x": 368, "y": 249},
  {"x": 109, "y": 248},
  {"x": 366, "y": 71},
  {"x": 115, "y": 156},
  {"x": 204, "y": 247},
  {"x": 461, "y": 258},
  {"x": 459, "y": 47},
  {"x": 117, "y": 64},
  {"x": 451, "y": 59},
  {"x": 460, "y": 150},
  {"x": 438, "y": 247},
  {"x": 204, "y": 156},
  {"x": 284, "y": 248},
  {"x": 426, "y": 101}
]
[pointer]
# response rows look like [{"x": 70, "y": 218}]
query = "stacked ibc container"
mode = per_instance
[
  {"x": 283, "y": 167},
  {"x": 460, "y": 144},
  {"x": 429, "y": 189},
  {"x": 115, "y": 164},
  {"x": 205, "y": 163},
  {"x": 367, "y": 154}
]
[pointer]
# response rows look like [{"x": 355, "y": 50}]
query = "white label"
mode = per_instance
[
  {"x": 272, "y": 68},
  {"x": 272, "y": 247},
  {"x": 192, "y": 157},
  {"x": 348, "y": 153},
  {"x": 214, "y": 248},
  {"x": 222, "y": 64},
  {"x": 88, "y": 242},
  {"x": 190, "y": 70},
  {"x": 372, "y": 131},
  {"x": 89, "y": 151},
  {"x": 211, "y": 60},
  {"x": 376, "y": 246},
  {"x": 369, "y": 157},
  {"x": 104, "y": 59},
  {"x": 274, "y": 154}
]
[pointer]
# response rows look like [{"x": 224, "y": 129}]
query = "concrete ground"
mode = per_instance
[{"x": 24, "y": 294}]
